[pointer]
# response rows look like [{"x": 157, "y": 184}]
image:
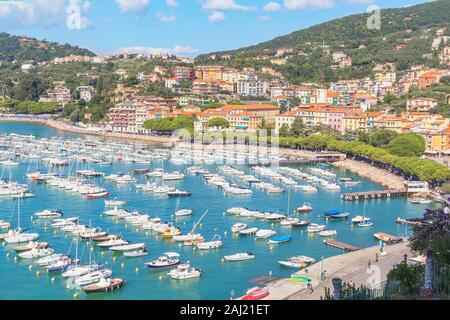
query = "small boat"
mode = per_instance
[
  {"x": 299, "y": 262},
  {"x": 365, "y": 224},
  {"x": 215, "y": 243},
  {"x": 31, "y": 245},
  {"x": 179, "y": 193},
  {"x": 409, "y": 222},
  {"x": 255, "y": 293},
  {"x": 141, "y": 171},
  {"x": 22, "y": 237},
  {"x": 75, "y": 271},
  {"x": 97, "y": 195},
  {"x": 49, "y": 214},
  {"x": 240, "y": 257},
  {"x": 305, "y": 208},
  {"x": 60, "y": 265},
  {"x": 280, "y": 239},
  {"x": 387, "y": 237},
  {"x": 238, "y": 227},
  {"x": 331, "y": 213},
  {"x": 359, "y": 219},
  {"x": 128, "y": 247},
  {"x": 184, "y": 271},
  {"x": 247, "y": 232},
  {"x": 112, "y": 243},
  {"x": 184, "y": 212},
  {"x": 107, "y": 237},
  {"x": 104, "y": 285},
  {"x": 328, "y": 233},
  {"x": 340, "y": 216},
  {"x": 35, "y": 253},
  {"x": 51, "y": 259},
  {"x": 314, "y": 228},
  {"x": 168, "y": 259},
  {"x": 303, "y": 223},
  {"x": 265, "y": 233},
  {"x": 93, "y": 277},
  {"x": 421, "y": 201},
  {"x": 135, "y": 254},
  {"x": 115, "y": 203}
]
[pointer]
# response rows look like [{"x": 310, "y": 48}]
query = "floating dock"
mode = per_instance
[
  {"x": 388, "y": 238},
  {"x": 372, "y": 195},
  {"x": 340, "y": 245}
]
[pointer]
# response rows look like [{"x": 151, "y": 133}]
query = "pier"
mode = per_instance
[
  {"x": 372, "y": 195},
  {"x": 340, "y": 245}
]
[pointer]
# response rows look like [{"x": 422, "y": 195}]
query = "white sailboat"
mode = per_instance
[
  {"x": 191, "y": 236},
  {"x": 19, "y": 236}
]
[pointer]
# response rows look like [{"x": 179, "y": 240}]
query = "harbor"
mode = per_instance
[{"x": 284, "y": 205}]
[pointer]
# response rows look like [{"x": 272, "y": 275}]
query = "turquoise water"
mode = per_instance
[{"x": 219, "y": 279}]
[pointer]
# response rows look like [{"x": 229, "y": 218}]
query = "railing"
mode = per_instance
[
  {"x": 381, "y": 290},
  {"x": 441, "y": 280}
]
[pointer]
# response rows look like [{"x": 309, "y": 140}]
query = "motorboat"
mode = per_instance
[
  {"x": 255, "y": 293},
  {"x": 31, "y": 245},
  {"x": 183, "y": 212},
  {"x": 365, "y": 224},
  {"x": 340, "y": 216},
  {"x": 421, "y": 201},
  {"x": 75, "y": 271},
  {"x": 328, "y": 233},
  {"x": 35, "y": 253},
  {"x": 22, "y": 237},
  {"x": 52, "y": 259},
  {"x": 49, "y": 214},
  {"x": 104, "y": 285},
  {"x": 243, "y": 256},
  {"x": 173, "y": 176},
  {"x": 265, "y": 233},
  {"x": 58, "y": 266},
  {"x": 360, "y": 219},
  {"x": 236, "y": 228},
  {"x": 115, "y": 203},
  {"x": 280, "y": 239},
  {"x": 215, "y": 243},
  {"x": 179, "y": 193},
  {"x": 112, "y": 243},
  {"x": 128, "y": 247},
  {"x": 247, "y": 232},
  {"x": 305, "y": 208},
  {"x": 314, "y": 228},
  {"x": 298, "y": 262},
  {"x": 184, "y": 271},
  {"x": 301, "y": 223},
  {"x": 136, "y": 253},
  {"x": 168, "y": 259},
  {"x": 93, "y": 277}
]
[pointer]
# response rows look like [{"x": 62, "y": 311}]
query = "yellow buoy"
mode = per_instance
[
  {"x": 222, "y": 260},
  {"x": 7, "y": 254},
  {"x": 137, "y": 269},
  {"x": 102, "y": 253},
  {"x": 38, "y": 273},
  {"x": 114, "y": 258},
  {"x": 122, "y": 265},
  {"x": 75, "y": 295},
  {"x": 160, "y": 278},
  {"x": 201, "y": 225},
  {"x": 68, "y": 287},
  {"x": 53, "y": 279}
]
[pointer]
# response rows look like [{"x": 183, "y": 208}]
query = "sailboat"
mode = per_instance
[
  {"x": 17, "y": 236},
  {"x": 77, "y": 270},
  {"x": 364, "y": 222},
  {"x": 289, "y": 221},
  {"x": 191, "y": 236}
]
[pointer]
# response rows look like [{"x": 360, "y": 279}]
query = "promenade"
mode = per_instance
[{"x": 350, "y": 267}]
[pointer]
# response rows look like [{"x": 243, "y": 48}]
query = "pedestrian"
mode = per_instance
[
  {"x": 369, "y": 263},
  {"x": 376, "y": 257}
]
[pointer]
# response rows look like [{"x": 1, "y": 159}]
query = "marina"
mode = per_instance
[{"x": 147, "y": 218}]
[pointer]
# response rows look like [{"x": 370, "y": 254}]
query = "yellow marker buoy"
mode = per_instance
[
  {"x": 137, "y": 269},
  {"x": 53, "y": 279},
  {"x": 68, "y": 287},
  {"x": 38, "y": 273},
  {"x": 160, "y": 278},
  {"x": 201, "y": 225},
  {"x": 75, "y": 295},
  {"x": 114, "y": 258},
  {"x": 193, "y": 248},
  {"x": 7, "y": 254},
  {"x": 122, "y": 265},
  {"x": 201, "y": 253},
  {"x": 102, "y": 253}
]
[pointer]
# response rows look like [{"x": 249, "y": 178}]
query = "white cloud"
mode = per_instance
[
  {"x": 224, "y": 5},
  {"x": 161, "y": 17},
  {"x": 216, "y": 16},
  {"x": 31, "y": 13},
  {"x": 138, "y": 7},
  {"x": 265, "y": 18},
  {"x": 172, "y": 3},
  {"x": 271, "y": 6},
  {"x": 177, "y": 50},
  {"x": 308, "y": 4}
]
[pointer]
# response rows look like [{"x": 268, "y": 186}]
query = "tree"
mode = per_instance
[
  {"x": 382, "y": 138},
  {"x": 297, "y": 128},
  {"x": 218, "y": 122},
  {"x": 407, "y": 145},
  {"x": 30, "y": 87}
]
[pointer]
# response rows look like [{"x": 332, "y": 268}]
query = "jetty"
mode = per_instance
[
  {"x": 340, "y": 245},
  {"x": 388, "y": 238},
  {"x": 372, "y": 195}
]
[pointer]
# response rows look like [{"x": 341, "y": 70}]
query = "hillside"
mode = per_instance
[
  {"x": 413, "y": 28},
  {"x": 25, "y": 49}
]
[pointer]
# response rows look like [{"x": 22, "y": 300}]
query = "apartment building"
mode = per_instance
[{"x": 252, "y": 88}]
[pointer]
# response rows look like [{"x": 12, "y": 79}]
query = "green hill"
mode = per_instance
[
  {"x": 22, "y": 48},
  {"x": 414, "y": 27}
]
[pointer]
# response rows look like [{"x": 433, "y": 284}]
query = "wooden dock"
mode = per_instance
[
  {"x": 340, "y": 245},
  {"x": 387, "y": 238},
  {"x": 372, "y": 195}
]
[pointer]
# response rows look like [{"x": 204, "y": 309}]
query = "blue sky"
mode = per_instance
[{"x": 184, "y": 27}]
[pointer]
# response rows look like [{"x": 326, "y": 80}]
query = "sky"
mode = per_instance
[{"x": 181, "y": 27}]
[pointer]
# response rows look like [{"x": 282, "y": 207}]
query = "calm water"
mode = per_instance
[{"x": 17, "y": 281}]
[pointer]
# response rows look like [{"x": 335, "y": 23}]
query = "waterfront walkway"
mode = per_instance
[{"x": 350, "y": 267}]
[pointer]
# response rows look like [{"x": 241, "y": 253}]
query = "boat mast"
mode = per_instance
[
  {"x": 289, "y": 202},
  {"x": 196, "y": 224}
]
